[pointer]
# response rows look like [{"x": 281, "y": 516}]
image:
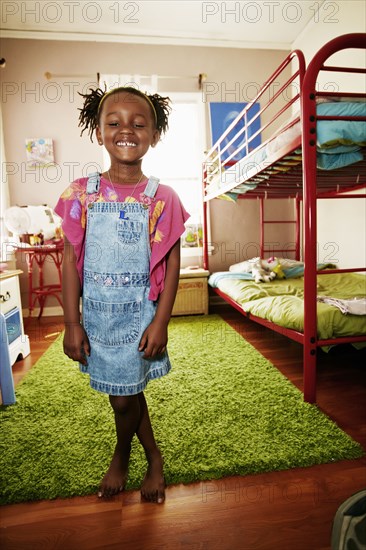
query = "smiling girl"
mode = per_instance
[{"x": 122, "y": 256}]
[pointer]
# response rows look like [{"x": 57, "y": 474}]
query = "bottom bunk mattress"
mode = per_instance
[{"x": 282, "y": 301}]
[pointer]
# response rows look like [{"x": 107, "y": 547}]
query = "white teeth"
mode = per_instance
[{"x": 126, "y": 144}]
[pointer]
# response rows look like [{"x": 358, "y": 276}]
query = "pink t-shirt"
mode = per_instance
[{"x": 166, "y": 221}]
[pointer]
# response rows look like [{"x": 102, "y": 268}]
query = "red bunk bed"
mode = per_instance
[{"x": 289, "y": 164}]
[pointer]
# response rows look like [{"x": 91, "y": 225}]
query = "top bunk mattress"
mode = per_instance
[{"x": 339, "y": 145}]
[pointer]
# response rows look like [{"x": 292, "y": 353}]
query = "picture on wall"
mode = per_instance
[
  {"x": 222, "y": 115},
  {"x": 39, "y": 152}
]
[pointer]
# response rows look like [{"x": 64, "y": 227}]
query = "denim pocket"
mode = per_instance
[
  {"x": 129, "y": 231},
  {"x": 112, "y": 324}
]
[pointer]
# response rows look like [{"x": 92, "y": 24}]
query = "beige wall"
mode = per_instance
[
  {"x": 36, "y": 107},
  {"x": 236, "y": 232}
]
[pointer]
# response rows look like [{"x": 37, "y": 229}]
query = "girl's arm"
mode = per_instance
[
  {"x": 76, "y": 343},
  {"x": 155, "y": 337}
]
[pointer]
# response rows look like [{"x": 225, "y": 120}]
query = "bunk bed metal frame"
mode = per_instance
[{"x": 303, "y": 182}]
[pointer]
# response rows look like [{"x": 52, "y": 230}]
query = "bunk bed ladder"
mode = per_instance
[{"x": 264, "y": 250}]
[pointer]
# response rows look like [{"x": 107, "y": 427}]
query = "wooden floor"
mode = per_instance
[{"x": 290, "y": 510}]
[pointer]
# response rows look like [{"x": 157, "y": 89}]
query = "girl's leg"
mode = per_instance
[
  {"x": 153, "y": 485},
  {"x": 127, "y": 416}
]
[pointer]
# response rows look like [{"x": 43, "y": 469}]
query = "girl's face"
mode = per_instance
[{"x": 126, "y": 127}]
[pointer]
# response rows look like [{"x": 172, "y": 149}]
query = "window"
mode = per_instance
[{"x": 177, "y": 159}]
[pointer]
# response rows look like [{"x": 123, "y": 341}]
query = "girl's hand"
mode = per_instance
[
  {"x": 154, "y": 340},
  {"x": 76, "y": 343}
]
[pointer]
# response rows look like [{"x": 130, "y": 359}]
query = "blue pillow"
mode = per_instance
[{"x": 334, "y": 133}]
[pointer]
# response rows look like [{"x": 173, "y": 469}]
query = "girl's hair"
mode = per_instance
[{"x": 90, "y": 113}]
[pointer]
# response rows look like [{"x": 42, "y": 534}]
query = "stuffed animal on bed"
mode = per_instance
[{"x": 263, "y": 271}]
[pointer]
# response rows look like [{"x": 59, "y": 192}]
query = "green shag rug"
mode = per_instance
[{"x": 223, "y": 410}]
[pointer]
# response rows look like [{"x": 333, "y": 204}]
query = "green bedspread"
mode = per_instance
[{"x": 282, "y": 302}]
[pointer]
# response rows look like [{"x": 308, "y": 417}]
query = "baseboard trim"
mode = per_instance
[{"x": 54, "y": 311}]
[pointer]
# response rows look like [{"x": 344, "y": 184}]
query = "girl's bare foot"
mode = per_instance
[
  {"x": 153, "y": 485},
  {"x": 115, "y": 478}
]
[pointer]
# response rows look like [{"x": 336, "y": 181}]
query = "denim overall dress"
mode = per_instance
[{"x": 116, "y": 308}]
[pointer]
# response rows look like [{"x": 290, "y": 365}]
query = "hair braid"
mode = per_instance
[
  {"x": 162, "y": 109},
  {"x": 88, "y": 118}
]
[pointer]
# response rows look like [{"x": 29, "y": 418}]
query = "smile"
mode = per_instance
[{"x": 126, "y": 144}]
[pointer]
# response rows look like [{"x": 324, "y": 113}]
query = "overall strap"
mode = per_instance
[
  {"x": 151, "y": 187},
  {"x": 93, "y": 183}
]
